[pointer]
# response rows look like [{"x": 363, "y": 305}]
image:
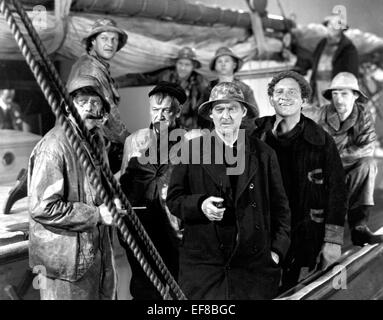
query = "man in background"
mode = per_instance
[
  {"x": 346, "y": 119},
  {"x": 183, "y": 72},
  {"x": 101, "y": 44},
  {"x": 335, "y": 53},
  {"x": 10, "y": 112}
]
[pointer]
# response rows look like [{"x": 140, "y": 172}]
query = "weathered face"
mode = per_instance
[
  {"x": 227, "y": 116},
  {"x": 105, "y": 44},
  {"x": 90, "y": 109},
  {"x": 287, "y": 98},
  {"x": 184, "y": 68},
  {"x": 225, "y": 65},
  {"x": 161, "y": 112},
  {"x": 343, "y": 101}
]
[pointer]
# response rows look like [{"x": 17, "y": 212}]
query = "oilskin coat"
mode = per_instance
[
  {"x": 262, "y": 223},
  {"x": 65, "y": 230},
  {"x": 92, "y": 66}
]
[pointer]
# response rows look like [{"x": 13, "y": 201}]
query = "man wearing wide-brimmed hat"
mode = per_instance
[
  {"x": 103, "y": 41},
  {"x": 182, "y": 72},
  {"x": 69, "y": 230},
  {"x": 349, "y": 123},
  {"x": 225, "y": 63},
  {"x": 230, "y": 198}
]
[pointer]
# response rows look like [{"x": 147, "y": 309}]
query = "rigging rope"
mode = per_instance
[{"x": 113, "y": 185}]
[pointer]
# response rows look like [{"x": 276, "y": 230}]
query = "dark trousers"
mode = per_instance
[{"x": 141, "y": 288}]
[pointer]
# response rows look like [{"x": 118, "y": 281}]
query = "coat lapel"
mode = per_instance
[
  {"x": 251, "y": 166},
  {"x": 217, "y": 172}
]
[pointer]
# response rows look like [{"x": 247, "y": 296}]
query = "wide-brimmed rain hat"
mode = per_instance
[
  {"x": 106, "y": 25},
  {"x": 187, "y": 53},
  {"x": 225, "y": 92},
  {"x": 87, "y": 81},
  {"x": 345, "y": 80},
  {"x": 225, "y": 51}
]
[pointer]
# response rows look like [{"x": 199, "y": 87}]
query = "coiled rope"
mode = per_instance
[{"x": 113, "y": 187}]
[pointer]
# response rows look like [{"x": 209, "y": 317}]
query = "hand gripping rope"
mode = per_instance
[{"x": 113, "y": 189}]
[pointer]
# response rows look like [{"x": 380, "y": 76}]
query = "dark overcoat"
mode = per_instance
[
  {"x": 262, "y": 223},
  {"x": 320, "y": 212}
]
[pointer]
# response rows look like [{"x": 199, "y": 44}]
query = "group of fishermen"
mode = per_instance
[{"x": 239, "y": 227}]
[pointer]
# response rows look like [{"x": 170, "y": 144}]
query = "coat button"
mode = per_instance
[
  {"x": 255, "y": 249},
  {"x": 221, "y": 246},
  {"x": 227, "y": 268},
  {"x": 251, "y": 186},
  {"x": 253, "y": 204}
]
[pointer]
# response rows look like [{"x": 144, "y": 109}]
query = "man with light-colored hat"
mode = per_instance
[
  {"x": 236, "y": 222},
  {"x": 182, "y": 72},
  {"x": 103, "y": 41},
  {"x": 225, "y": 63},
  {"x": 349, "y": 123}
]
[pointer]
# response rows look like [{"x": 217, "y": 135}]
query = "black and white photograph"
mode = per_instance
[{"x": 213, "y": 152}]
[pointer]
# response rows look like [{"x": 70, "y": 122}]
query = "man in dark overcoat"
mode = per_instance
[
  {"x": 333, "y": 54},
  {"x": 145, "y": 175},
  {"x": 312, "y": 174},
  {"x": 228, "y": 192}
]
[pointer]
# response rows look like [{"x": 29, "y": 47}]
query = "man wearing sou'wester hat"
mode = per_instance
[
  {"x": 236, "y": 222},
  {"x": 225, "y": 63},
  {"x": 103, "y": 41},
  {"x": 351, "y": 126},
  {"x": 69, "y": 225}
]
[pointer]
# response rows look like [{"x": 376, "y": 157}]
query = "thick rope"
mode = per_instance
[
  {"x": 82, "y": 155},
  {"x": 114, "y": 185}
]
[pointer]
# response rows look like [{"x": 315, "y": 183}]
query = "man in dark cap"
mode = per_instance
[
  {"x": 230, "y": 198},
  {"x": 350, "y": 124},
  {"x": 69, "y": 239},
  {"x": 145, "y": 182},
  {"x": 183, "y": 72},
  {"x": 101, "y": 44}
]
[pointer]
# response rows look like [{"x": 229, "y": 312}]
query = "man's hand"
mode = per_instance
[
  {"x": 210, "y": 210},
  {"x": 106, "y": 215},
  {"x": 275, "y": 257},
  {"x": 329, "y": 254}
]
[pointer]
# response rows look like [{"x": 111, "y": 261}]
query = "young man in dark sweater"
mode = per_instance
[{"x": 312, "y": 174}]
